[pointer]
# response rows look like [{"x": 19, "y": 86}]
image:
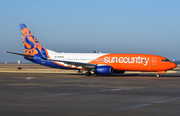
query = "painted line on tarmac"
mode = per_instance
[
  {"x": 62, "y": 94},
  {"x": 144, "y": 105}
]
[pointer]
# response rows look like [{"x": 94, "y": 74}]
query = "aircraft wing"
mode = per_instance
[
  {"x": 84, "y": 65},
  {"x": 77, "y": 64}
]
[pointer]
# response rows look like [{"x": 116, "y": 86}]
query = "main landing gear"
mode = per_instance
[{"x": 88, "y": 73}]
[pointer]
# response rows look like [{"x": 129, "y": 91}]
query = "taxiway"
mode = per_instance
[{"x": 75, "y": 94}]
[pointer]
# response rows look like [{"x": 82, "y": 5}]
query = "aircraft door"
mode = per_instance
[{"x": 154, "y": 60}]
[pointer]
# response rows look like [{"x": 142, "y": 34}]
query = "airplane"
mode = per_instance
[{"x": 99, "y": 63}]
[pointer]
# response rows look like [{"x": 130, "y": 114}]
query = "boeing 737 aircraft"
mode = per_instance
[{"x": 99, "y": 63}]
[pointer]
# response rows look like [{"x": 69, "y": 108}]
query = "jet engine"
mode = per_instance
[{"x": 103, "y": 70}]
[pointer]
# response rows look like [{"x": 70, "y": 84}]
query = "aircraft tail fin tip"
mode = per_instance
[{"x": 22, "y": 26}]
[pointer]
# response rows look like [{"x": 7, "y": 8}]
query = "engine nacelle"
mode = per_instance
[{"x": 103, "y": 70}]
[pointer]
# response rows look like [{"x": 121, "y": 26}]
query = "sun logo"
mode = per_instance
[{"x": 30, "y": 42}]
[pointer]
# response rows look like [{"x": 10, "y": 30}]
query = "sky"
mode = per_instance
[{"x": 109, "y": 26}]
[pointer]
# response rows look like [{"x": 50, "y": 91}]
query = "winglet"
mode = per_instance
[{"x": 40, "y": 54}]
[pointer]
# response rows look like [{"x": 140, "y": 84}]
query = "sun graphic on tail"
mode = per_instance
[{"x": 30, "y": 42}]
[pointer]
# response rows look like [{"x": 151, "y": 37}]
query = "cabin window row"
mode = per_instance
[{"x": 78, "y": 59}]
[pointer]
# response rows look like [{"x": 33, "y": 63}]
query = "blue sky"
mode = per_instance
[{"x": 109, "y": 26}]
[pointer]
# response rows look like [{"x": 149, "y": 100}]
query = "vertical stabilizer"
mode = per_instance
[{"x": 30, "y": 43}]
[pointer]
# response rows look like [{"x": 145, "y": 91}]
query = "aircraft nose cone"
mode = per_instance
[{"x": 172, "y": 65}]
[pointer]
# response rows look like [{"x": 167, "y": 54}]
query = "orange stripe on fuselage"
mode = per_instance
[{"x": 133, "y": 62}]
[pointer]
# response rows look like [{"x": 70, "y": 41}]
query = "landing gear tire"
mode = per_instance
[
  {"x": 88, "y": 73},
  {"x": 96, "y": 74}
]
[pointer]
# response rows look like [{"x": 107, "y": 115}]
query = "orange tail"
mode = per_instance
[{"x": 29, "y": 41}]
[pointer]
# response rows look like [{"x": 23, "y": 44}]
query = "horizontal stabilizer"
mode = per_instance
[{"x": 19, "y": 54}]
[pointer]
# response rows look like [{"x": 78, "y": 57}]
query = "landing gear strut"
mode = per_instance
[
  {"x": 88, "y": 73},
  {"x": 80, "y": 71}
]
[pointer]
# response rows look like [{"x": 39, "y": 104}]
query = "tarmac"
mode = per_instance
[
  {"x": 43, "y": 94},
  {"x": 73, "y": 94}
]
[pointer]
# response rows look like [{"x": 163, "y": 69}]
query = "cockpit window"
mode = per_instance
[{"x": 165, "y": 60}]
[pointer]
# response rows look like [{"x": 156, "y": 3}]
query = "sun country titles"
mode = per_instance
[{"x": 138, "y": 60}]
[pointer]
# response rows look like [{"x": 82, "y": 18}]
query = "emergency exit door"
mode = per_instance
[{"x": 154, "y": 61}]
